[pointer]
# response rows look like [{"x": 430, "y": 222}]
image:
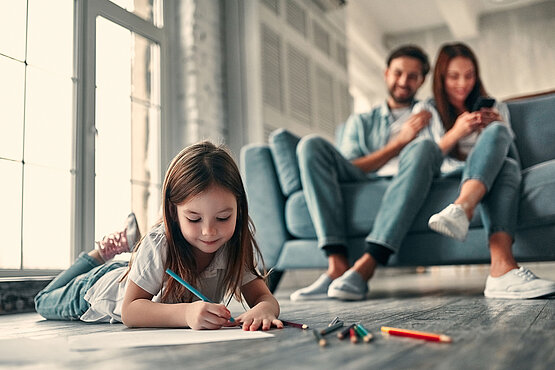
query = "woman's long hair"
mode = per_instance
[
  {"x": 192, "y": 171},
  {"x": 445, "y": 109}
]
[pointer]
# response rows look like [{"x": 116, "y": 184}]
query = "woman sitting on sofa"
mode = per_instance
[{"x": 477, "y": 143}]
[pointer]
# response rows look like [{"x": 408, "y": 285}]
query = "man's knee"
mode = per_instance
[
  {"x": 311, "y": 146},
  {"x": 423, "y": 151},
  {"x": 511, "y": 169}
]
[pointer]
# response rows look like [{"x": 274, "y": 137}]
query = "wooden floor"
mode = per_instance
[{"x": 487, "y": 334}]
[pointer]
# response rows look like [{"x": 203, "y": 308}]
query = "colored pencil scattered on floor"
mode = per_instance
[
  {"x": 294, "y": 324},
  {"x": 416, "y": 334},
  {"x": 335, "y": 319},
  {"x": 319, "y": 338},
  {"x": 353, "y": 335},
  {"x": 363, "y": 333},
  {"x": 331, "y": 328},
  {"x": 345, "y": 332}
]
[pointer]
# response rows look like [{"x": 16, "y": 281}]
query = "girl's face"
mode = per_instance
[
  {"x": 459, "y": 80},
  {"x": 207, "y": 220}
]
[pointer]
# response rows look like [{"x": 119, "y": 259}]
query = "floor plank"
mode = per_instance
[{"x": 487, "y": 334}]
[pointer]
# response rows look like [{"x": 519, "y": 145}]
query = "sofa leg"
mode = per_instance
[{"x": 273, "y": 279}]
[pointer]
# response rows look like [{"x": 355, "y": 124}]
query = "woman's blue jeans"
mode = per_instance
[
  {"x": 64, "y": 297},
  {"x": 489, "y": 163},
  {"x": 323, "y": 169}
]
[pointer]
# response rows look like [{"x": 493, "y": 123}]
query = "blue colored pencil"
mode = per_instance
[{"x": 191, "y": 289}]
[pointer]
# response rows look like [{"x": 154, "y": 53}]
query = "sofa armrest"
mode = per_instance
[{"x": 266, "y": 201}]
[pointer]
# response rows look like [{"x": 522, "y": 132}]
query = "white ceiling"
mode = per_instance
[{"x": 400, "y": 16}]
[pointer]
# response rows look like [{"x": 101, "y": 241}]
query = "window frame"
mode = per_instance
[{"x": 83, "y": 131}]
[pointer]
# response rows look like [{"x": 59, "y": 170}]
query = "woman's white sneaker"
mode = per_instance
[
  {"x": 451, "y": 222},
  {"x": 518, "y": 283}
]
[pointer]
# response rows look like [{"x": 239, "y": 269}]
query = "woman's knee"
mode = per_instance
[{"x": 497, "y": 130}]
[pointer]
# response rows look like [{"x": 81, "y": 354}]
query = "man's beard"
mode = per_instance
[{"x": 406, "y": 100}]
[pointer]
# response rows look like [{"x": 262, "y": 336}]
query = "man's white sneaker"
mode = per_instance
[
  {"x": 349, "y": 287},
  {"x": 316, "y": 290},
  {"x": 451, "y": 222},
  {"x": 518, "y": 283}
]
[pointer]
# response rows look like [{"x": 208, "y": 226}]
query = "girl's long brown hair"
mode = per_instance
[
  {"x": 446, "y": 110},
  {"x": 192, "y": 171}
]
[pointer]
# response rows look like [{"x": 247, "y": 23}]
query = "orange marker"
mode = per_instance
[{"x": 417, "y": 334}]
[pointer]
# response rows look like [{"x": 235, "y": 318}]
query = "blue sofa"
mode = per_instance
[{"x": 287, "y": 239}]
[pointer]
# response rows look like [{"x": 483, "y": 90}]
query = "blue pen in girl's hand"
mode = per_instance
[{"x": 191, "y": 289}]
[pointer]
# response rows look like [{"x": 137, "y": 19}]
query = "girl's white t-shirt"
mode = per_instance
[{"x": 147, "y": 271}]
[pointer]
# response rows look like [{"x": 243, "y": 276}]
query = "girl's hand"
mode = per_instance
[
  {"x": 467, "y": 123},
  {"x": 489, "y": 115},
  {"x": 260, "y": 316},
  {"x": 203, "y": 315}
]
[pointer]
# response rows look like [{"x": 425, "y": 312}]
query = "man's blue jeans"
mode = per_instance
[
  {"x": 489, "y": 162},
  {"x": 63, "y": 298},
  {"x": 323, "y": 169}
]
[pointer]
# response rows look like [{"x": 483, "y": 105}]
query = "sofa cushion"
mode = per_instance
[
  {"x": 363, "y": 200},
  {"x": 537, "y": 196},
  {"x": 283, "y": 145},
  {"x": 533, "y": 121}
]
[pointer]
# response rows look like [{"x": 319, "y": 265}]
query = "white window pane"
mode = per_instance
[
  {"x": 146, "y": 204},
  {"x": 50, "y": 38},
  {"x": 12, "y": 75},
  {"x": 113, "y": 124},
  {"x": 46, "y": 218},
  {"x": 145, "y": 144},
  {"x": 10, "y": 214},
  {"x": 12, "y": 28},
  {"x": 48, "y": 119},
  {"x": 127, "y": 157},
  {"x": 146, "y": 59},
  {"x": 149, "y": 10}
]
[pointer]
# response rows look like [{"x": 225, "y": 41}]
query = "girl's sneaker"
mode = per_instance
[
  {"x": 518, "y": 283},
  {"x": 120, "y": 241}
]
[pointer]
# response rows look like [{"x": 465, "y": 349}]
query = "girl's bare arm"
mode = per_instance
[{"x": 138, "y": 310}]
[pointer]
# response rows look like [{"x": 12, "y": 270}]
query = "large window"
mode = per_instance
[
  {"x": 80, "y": 125},
  {"x": 127, "y": 156}
]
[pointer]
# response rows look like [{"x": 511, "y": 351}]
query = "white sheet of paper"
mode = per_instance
[{"x": 158, "y": 337}]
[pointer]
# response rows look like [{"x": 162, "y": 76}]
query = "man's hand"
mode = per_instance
[{"x": 413, "y": 126}]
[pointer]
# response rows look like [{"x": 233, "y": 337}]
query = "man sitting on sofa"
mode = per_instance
[{"x": 390, "y": 140}]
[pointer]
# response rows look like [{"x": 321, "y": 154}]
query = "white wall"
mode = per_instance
[{"x": 199, "y": 73}]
